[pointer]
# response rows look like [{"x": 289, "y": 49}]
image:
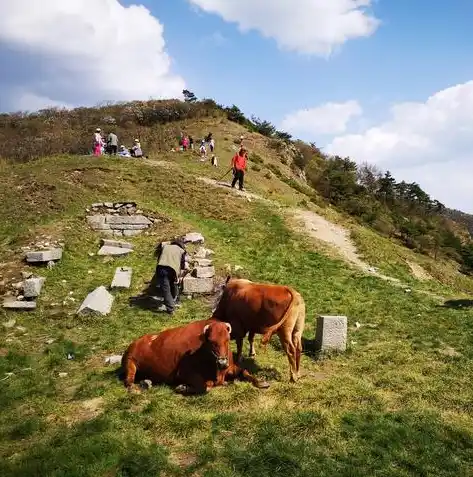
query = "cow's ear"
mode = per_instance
[
  {"x": 205, "y": 330},
  {"x": 229, "y": 327}
]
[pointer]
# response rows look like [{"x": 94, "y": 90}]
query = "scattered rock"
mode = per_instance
[
  {"x": 18, "y": 286},
  {"x": 146, "y": 384},
  {"x": 115, "y": 359},
  {"x": 237, "y": 268},
  {"x": 32, "y": 287},
  {"x": 202, "y": 252},
  {"x": 451, "y": 352},
  {"x": 19, "y": 305},
  {"x": 50, "y": 341},
  {"x": 408, "y": 290},
  {"x": 98, "y": 302},
  {"x": 26, "y": 275},
  {"x": 194, "y": 237},
  {"x": 62, "y": 375},
  {"x": 44, "y": 256},
  {"x": 114, "y": 251},
  {"x": 9, "y": 324},
  {"x": 21, "y": 329},
  {"x": 122, "y": 278}
]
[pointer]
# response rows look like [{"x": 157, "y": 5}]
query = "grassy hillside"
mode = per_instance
[{"x": 397, "y": 403}]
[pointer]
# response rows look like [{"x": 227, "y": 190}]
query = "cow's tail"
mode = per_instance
[
  {"x": 289, "y": 310},
  {"x": 128, "y": 369}
]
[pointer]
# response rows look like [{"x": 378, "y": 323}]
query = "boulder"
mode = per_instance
[
  {"x": 32, "y": 287},
  {"x": 122, "y": 278},
  {"x": 116, "y": 243},
  {"x": 115, "y": 359},
  {"x": 194, "y": 237},
  {"x": 331, "y": 333},
  {"x": 204, "y": 272},
  {"x": 114, "y": 251},
  {"x": 193, "y": 285},
  {"x": 98, "y": 302},
  {"x": 44, "y": 255}
]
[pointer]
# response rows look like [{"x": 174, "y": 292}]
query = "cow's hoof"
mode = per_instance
[
  {"x": 262, "y": 385},
  {"x": 181, "y": 389},
  {"x": 133, "y": 390}
]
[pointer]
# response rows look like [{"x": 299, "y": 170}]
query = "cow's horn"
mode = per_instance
[
  {"x": 206, "y": 328},
  {"x": 229, "y": 326}
]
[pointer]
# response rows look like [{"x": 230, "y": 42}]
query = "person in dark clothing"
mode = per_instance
[
  {"x": 171, "y": 263},
  {"x": 239, "y": 168}
]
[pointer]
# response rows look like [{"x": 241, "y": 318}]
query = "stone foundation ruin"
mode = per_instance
[{"x": 120, "y": 219}]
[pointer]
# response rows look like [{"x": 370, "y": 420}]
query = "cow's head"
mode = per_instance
[{"x": 217, "y": 338}]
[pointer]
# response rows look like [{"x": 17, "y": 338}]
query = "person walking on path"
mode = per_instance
[
  {"x": 98, "y": 142},
  {"x": 112, "y": 143},
  {"x": 239, "y": 167},
  {"x": 171, "y": 263}
]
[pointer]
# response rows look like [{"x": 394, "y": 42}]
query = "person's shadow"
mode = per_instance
[{"x": 151, "y": 298}]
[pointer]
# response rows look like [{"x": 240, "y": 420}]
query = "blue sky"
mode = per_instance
[{"x": 396, "y": 90}]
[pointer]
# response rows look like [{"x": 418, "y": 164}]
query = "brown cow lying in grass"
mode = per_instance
[{"x": 193, "y": 357}]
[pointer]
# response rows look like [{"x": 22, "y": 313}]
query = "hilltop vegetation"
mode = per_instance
[{"x": 398, "y": 210}]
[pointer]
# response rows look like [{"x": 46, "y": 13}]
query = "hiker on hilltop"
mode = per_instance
[
  {"x": 98, "y": 142},
  {"x": 112, "y": 143},
  {"x": 239, "y": 167},
  {"x": 171, "y": 263}
]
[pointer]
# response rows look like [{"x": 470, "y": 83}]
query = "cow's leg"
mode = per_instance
[
  {"x": 239, "y": 343},
  {"x": 130, "y": 373},
  {"x": 235, "y": 372},
  {"x": 251, "y": 339},
  {"x": 297, "y": 341},
  {"x": 290, "y": 349}
]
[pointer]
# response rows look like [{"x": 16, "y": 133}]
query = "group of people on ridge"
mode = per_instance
[{"x": 110, "y": 146}]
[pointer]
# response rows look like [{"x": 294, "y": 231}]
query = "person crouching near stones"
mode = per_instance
[
  {"x": 239, "y": 168},
  {"x": 171, "y": 263}
]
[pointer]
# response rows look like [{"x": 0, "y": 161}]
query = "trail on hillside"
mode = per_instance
[{"x": 335, "y": 236}]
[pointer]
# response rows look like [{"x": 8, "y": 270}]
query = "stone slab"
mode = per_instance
[
  {"x": 203, "y": 262},
  {"x": 114, "y": 359},
  {"x": 122, "y": 278},
  {"x": 131, "y": 233},
  {"x": 96, "y": 221},
  {"x": 331, "y": 333},
  {"x": 32, "y": 287},
  {"x": 204, "y": 272},
  {"x": 127, "y": 220},
  {"x": 116, "y": 243},
  {"x": 193, "y": 285},
  {"x": 19, "y": 305},
  {"x": 194, "y": 237},
  {"x": 98, "y": 302},
  {"x": 202, "y": 252},
  {"x": 114, "y": 251},
  {"x": 44, "y": 255},
  {"x": 128, "y": 226}
]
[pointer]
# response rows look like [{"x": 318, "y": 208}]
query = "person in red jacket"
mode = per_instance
[{"x": 239, "y": 168}]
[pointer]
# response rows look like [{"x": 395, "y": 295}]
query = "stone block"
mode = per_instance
[
  {"x": 32, "y": 287},
  {"x": 96, "y": 221},
  {"x": 127, "y": 220},
  {"x": 122, "y": 278},
  {"x": 331, "y": 333},
  {"x": 193, "y": 285},
  {"x": 109, "y": 205},
  {"x": 98, "y": 302},
  {"x": 97, "y": 205},
  {"x": 44, "y": 255},
  {"x": 114, "y": 251},
  {"x": 114, "y": 359},
  {"x": 203, "y": 262},
  {"x": 131, "y": 233},
  {"x": 128, "y": 226},
  {"x": 194, "y": 237},
  {"x": 19, "y": 305},
  {"x": 202, "y": 252},
  {"x": 204, "y": 272},
  {"x": 116, "y": 243}
]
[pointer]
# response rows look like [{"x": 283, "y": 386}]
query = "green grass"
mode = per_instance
[{"x": 395, "y": 404}]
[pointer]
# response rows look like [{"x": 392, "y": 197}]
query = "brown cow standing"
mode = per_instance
[
  {"x": 195, "y": 357},
  {"x": 258, "y": 308}
]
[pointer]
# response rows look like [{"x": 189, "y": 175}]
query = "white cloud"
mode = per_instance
[
  {"x": 314, "y": 27},
  {"x": 84, "y": 51},
  {"x": 430, "y": 143},
  {"x": 330, "y": 118}
]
